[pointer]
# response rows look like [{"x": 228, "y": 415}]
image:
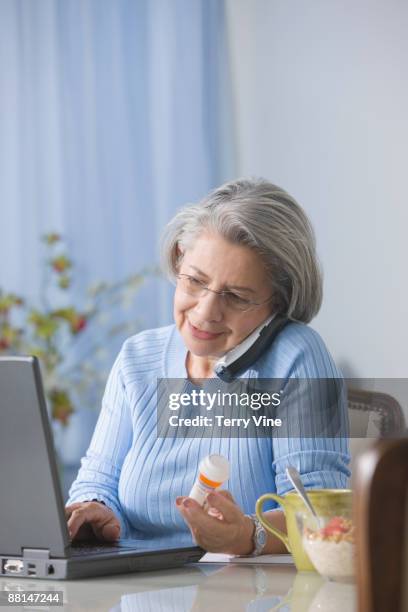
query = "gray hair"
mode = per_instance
[{"x": 264, "y": 217}]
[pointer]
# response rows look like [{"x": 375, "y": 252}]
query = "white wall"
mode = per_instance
[{"x": 321, "y": 108}]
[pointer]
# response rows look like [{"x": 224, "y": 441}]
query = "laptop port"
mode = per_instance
[
  {"x": 50, "y": 570},
  {"x": 13, "y": 566},
  {"x": 31, "y": 569}
]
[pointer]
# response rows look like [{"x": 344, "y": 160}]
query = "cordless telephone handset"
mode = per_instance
[{"x": 241, "y": 357}]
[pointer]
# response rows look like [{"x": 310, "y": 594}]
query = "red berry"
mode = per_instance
[{"x": 79, "y": 324}]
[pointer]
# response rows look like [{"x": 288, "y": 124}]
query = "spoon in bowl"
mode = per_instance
[{"x": 294, "y": 478}]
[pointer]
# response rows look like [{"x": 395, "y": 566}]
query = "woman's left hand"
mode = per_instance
[{"x": 229, "y": 532}]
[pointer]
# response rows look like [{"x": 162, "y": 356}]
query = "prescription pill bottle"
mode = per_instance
[{"x": 213, "y": 471}]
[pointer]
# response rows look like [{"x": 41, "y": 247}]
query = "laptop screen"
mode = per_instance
[{"x": 31, "y": 507}]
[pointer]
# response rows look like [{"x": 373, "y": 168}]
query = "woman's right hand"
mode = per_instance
[{"x": 90, "y": 520}]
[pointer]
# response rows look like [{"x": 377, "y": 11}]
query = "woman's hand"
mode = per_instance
[
  {"x": 222, "y": 527},
  {"x": 90, "y": 520}
]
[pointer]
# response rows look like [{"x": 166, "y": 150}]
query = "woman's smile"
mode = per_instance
[{"x": 202, "y": 334}]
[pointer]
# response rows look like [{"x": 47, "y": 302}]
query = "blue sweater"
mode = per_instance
[{"x": 139, "y": 475}]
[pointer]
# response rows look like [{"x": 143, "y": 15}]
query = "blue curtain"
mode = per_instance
[{"x": 113, "y": 113}]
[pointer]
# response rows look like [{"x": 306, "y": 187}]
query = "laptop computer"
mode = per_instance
[{"x": 34, "y": 540}]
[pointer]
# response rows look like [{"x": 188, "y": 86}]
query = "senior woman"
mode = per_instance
[{"x": 244, "y": 253}]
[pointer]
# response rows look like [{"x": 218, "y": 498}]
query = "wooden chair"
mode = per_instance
[{"x": 380, "y": 514}]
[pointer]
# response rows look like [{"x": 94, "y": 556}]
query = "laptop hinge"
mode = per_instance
[{"x": 36, "y": 553}]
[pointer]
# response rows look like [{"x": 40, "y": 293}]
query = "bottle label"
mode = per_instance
[{"x": 209, "y": 483}]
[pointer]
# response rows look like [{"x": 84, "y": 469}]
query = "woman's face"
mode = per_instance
[{"x": 208, "y": 327}]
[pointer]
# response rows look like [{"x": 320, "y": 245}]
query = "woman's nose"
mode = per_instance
[{"x": 210, "y": 306}]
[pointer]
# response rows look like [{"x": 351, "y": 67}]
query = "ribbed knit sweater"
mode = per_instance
[{"x": 139, "y": 475}]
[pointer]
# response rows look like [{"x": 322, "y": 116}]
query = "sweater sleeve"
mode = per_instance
[
  {"x": 98, "y": 476},
  {"x": 316, "y": 419}
]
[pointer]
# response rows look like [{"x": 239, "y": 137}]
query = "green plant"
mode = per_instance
[{"x": 70, "y": 341}]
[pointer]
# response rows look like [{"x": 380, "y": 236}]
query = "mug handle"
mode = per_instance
[{"x": 258, "y": 510}]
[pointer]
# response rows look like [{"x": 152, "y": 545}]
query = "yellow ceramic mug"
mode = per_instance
[{"x": 327, "y": 503}]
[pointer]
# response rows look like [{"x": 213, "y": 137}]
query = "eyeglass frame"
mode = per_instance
[{"x": 206, "y": 289}]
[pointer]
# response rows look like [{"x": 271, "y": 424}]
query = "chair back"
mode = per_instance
[{"x": 372, "y": 415}]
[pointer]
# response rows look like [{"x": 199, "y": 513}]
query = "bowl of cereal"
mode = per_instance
[
  {"x": 330, "y": 545},
  {"x": 327, "y": 503}
]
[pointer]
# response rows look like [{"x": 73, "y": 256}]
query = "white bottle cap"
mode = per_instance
[
  {"x": 213, "y": 471},
  {"x": 215, "y": 468}
]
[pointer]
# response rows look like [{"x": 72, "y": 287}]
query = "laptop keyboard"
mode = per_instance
[{"x": 79, "y": 549}]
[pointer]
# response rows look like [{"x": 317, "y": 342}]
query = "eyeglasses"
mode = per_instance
[{"x": 196, "y": 288}]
